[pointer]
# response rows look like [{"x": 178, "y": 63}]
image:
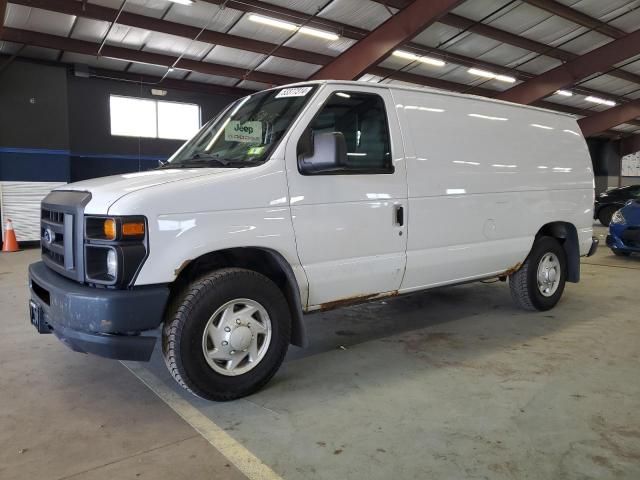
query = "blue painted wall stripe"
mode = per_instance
[{"x": 43, "y": 151}]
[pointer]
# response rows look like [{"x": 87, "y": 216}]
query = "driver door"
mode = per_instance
[{"x": 351, "y": 224}]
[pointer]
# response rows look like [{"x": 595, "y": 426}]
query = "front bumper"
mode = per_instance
[
  {"x": 100, "y": 321},
  {"x": 624, "y": 238}
]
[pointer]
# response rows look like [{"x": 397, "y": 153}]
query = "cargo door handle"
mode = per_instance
[{"x": 399, "y": 215}]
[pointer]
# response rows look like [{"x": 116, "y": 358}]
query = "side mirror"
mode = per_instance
[{"x": 328, "y": 152}]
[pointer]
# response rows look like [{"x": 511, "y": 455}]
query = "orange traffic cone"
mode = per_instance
[{"x": 10, "y": 242}]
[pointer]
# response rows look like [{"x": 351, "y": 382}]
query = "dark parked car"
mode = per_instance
[
  {"x": 624, "y": 230},
  {"x": 607, "y": 203}
]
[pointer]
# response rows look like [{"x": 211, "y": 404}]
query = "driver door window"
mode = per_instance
[{"x": 362, "y": 120}]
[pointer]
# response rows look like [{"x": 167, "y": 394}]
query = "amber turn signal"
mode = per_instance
[
  {"x": 109, "y": 229},
  {"x": 133, "y": 229}
]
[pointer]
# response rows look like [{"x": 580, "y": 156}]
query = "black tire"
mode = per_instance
[
  {"x": 605, "y": 214},
  {"x": 620, "y": 253},
  {"x": 524, "y": 282},
  {"x": 186, "y": 321}
]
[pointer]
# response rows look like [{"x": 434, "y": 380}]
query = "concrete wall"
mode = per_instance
[
  {"x": 63, "y": 134},
  {"x": 92, "y": 145},
  {"x": 34, "y": 123},
  {"x": 606, "y": 165}
]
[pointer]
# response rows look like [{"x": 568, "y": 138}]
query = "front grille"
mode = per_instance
[
  {"x": 52, "y": 216},
  {"x": 55, "y": 228},
  {"x": 61, "y": 230}
]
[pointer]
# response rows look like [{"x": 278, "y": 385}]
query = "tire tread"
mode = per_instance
[{"x": 183, "y": 305}]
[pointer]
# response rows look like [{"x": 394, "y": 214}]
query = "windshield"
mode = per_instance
[{"x": 246, "y": 132}]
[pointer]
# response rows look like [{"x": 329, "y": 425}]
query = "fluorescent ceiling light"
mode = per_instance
[
  {"x": 405, "y": 55},
  {"x": 601, "y": 101},
  {"x": 417, "y": 58},
  {"x": 494, "y": 76},
  {"x": 183, "y": 2},
  {"x": 544, "y": 127},
  {"x": 505, "y": 78},
  {"x": 314, "y": 32},
  {"x": 343, "y": 95},
  {"x": 292, "y": 27},
  {"x": 564, "y": 93},
  {"x": 432, "y": 61},
  {"x": 481, "y": 73},
  {"x": 272, "y": 22}
]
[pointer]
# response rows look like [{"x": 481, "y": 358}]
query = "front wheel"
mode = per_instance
[
  {"x": 227, "y": 334},
  {"x": 539, "y": 283}
]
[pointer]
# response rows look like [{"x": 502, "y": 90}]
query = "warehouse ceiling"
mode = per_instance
[{"x": 485, "y": 47}]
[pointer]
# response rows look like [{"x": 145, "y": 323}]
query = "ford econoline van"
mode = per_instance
[{"x": 303, "y": 198}]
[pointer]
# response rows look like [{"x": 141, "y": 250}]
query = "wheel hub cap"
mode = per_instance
[
  {"x": 240, "y": 338},
  {"x": 548, "y": 274},
  {"x": 236, "y": 337}
]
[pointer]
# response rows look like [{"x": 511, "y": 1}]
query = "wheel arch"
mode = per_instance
[
  {"x": 268, "y": 262},
  {"x": 567, "y": 234}
]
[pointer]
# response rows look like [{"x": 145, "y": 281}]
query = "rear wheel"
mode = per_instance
[
  {"x": 227, "y": 335},
  {"x": 539, "y": 283},
  {"x": 605, "y": 215}
]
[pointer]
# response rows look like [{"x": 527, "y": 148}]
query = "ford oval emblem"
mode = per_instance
[{"x": 48, "y": 236}]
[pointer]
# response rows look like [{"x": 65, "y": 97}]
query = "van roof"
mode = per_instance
[{"x": 424, "y": 89}]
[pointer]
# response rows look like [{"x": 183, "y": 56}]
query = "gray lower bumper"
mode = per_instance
[{"x": 97, "y": 320}]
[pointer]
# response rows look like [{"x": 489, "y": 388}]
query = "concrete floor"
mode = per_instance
[{"x": 451, "y": 383}]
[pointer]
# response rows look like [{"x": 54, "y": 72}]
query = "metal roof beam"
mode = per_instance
[
  {"x": 379, "y": 43},
  {"x": 597, "y": 60},
  {"x": 3, "y": 10},
  {"x": 171, "y": 83},
  {"x": 609, "y": 118},
  {"x": 290, "y": 15},
  {"x": 462, "y": 23},
  {"x": 127, "y": 54},
  {"x": 630, "y": 144},
  {"x": 575, "y": 16},
  {"x": 97, "y": 12},
  {"x": 429, "y": 81},
  {"x": 150, "y": 80}
]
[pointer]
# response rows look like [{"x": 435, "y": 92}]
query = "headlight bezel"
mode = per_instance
[{"x": 130, "y": 251}]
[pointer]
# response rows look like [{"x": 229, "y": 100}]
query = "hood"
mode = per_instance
[{"x": 105, "y": 191}]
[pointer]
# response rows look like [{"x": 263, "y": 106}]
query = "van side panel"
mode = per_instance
[{"x": 483, "y": 178}]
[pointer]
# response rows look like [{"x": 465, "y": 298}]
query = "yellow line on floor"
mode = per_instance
[{"x": 243, "y": 459}]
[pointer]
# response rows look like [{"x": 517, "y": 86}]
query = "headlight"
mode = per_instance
[
  {"x": 618, "y": 218},
  {"x": 114, "y": 249},
  {"x": 112, "y": 263}
]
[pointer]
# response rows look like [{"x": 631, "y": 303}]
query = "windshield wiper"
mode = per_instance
[{"x": 201, "y": 160}]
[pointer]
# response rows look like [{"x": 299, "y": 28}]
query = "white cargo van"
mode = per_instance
[{"x": 303, "y": 198}]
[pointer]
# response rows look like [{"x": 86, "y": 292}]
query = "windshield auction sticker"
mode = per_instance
[
  {"x": 293, "y": 92},
  {"x": 246, "y": 132}
]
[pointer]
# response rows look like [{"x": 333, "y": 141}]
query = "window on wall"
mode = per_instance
[{"x": 140, "y": 117}]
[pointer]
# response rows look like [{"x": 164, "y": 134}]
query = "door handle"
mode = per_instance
[{"x": 399, "y": 215}]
